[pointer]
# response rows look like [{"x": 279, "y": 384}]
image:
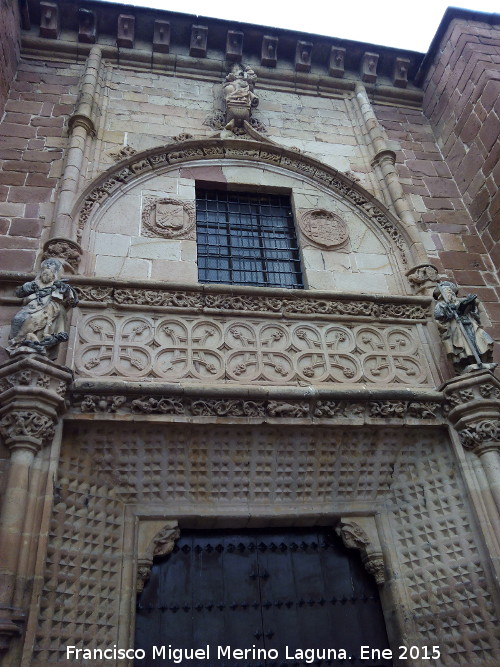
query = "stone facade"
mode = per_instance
[{"x": 170, "y": 404}]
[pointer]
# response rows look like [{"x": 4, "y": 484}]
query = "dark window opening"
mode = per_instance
[{"x": 247, "y": 239}]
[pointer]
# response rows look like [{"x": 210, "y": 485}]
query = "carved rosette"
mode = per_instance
[
  {"x": 168, "y": 218},
  {"x": 162, "y": 544},
  {"x": 361, "y": 534},
  {"x": 69, "y": 252},
  {"x": 323, "y": 228}
]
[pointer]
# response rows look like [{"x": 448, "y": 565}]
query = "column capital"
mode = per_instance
[{"x": 32, "y": 397}]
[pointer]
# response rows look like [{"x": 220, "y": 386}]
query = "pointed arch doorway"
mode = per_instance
[{"x": 274, "y": 593}]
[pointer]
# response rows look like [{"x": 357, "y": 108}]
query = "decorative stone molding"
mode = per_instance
[
  {"x": 162, "y": 158},
  {"x": 69, "y": 252},
  {"x": 168, "y": 218},
  {"x": 481, "y": 433},
  {"x": 423, "y": 278},
  {"x": 263, "y": 302},
  {"x": 239, "y": 96},
  {"x": 323, "y": 228},
  {"x": 267, "y": 352},
  {"x": 32, "y": 396},
  {"x": 360, "y": 533},
  {"x": 162, "y": 544},
  {"x": 122, "y": 153},
  {"x": 196, "y": 403}
]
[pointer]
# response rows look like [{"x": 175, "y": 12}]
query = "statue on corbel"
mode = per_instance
[
  {"x": 467, "y": 344},
  {"x": 40, "y": 324}
]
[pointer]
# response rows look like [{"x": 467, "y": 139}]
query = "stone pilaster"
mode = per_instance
[{"x": 32, "y": 399}]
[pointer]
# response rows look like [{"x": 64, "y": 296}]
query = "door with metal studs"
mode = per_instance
[{"x": 282, "y": 589}]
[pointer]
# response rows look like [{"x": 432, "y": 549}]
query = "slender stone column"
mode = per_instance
[
  {"x": 62, "y": 242},
  {"x": 385, "y": 160},
  {"x": 32, "y": 390}
]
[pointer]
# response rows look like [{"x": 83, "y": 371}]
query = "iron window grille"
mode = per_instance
[{"x": 247, "y": 239}]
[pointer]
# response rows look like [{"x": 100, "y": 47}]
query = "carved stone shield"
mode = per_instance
[
  {"x": 168, "y": 218},
  {"x": 323, "y": 228}
]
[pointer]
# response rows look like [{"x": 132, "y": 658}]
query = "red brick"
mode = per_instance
[
  {"x": 470, "y": 129},
  {"x": 18, "y": 243},
  {"x": 14, "y": 142},
  {"x": 422, "y": 167},
  {"x": 468, "y": 277},
  {"x": 441, "y": 187},
  {"x": 21, "y": 86},
  {"x": 4, "y": 226},
  {"x": 491, "y": 94},
  {"x": 14, "y": 130},
  {"x": 36, "y": 144},
  {"x": 62, "y": 109},
  {"x": 474, "y": 244},
  {"x": 49, "y": 132},
  {"x": 16, "y": 260},
  {"x": 22, "y": 106},
  {"x": 438, "y": 203},
  {"x": 462, "y": 260},
  {"x": 10, "y": 155},
  {"x": 41, "y": 180},
  {"x": 19, "y": 118},
  {"x": 32, "y": 194},
  {"x": 42, "y": 156},
  {"x": 4, "y": 191},
  {"x": 12, "y": 177},
  {"x": 40, "y": 121},
  {"x": 489, "y": 131},
  {"x": 29, "y": 227},
  {"x": 31, "y": 210},
  {"x": 26, "y": 165}
]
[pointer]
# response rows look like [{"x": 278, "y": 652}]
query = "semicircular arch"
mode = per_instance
[{"x": 163, "y": 158}]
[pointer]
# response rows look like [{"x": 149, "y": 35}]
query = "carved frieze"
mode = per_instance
[
  {"x": 358, "y": 411},
  {"x": 323, "y": 228},
  {"x": 261, "y": 304},
  {"x": 224, "y": 350},
  {"x": 168, "y": 218}
]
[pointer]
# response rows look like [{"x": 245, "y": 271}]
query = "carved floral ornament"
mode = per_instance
[
  {"x": 165, "y": 157},
  {"x": 162, "y": 544}
]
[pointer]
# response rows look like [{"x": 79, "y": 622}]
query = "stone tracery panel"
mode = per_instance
[{"x": 246, "y": 351}]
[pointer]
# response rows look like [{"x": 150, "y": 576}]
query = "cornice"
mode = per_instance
[{"x": 331, "y": 67}]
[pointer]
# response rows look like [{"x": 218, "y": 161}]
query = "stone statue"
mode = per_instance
[
  {"x": 41, "y": 322},
  {"x": 239, "y": 95},
  {"x": 467, "y": 344}
]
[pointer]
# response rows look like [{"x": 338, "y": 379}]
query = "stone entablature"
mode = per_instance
[{"x": 140, "y": 37}]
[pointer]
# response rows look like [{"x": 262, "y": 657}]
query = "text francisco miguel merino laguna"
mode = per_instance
[{"x": 178, "y": 655}]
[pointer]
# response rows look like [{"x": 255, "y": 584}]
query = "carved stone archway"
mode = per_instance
[{"x": 140, "y": 166}]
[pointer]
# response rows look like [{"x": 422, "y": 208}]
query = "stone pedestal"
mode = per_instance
[{"x": 32, "y": 391}]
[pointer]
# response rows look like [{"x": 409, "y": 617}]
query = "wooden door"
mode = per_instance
[{"x": 281, "y": 591}]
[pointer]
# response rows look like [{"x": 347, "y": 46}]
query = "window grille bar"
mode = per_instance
[{"x": 247, "y": 239}]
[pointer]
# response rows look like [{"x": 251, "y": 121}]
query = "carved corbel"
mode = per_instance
[
  {"x": 162, "y": 543},
  {"x": 423, "y": 278},
  {"x": 69, "y": 252},
  {"x": 361, "y": 534}
]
